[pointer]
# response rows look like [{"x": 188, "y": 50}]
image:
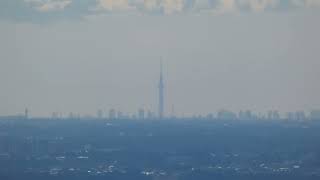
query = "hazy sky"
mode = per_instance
[{"x": 83, "y": 55}]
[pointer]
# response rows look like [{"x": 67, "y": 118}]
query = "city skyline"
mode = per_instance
[
  {"x": 161, "y": 112},
  {"x": 70, "y": 56}
]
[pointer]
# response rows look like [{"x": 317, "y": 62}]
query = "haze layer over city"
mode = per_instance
[
  {"x": 81, "y": 56},
  {"x": 159, "y": 89}
]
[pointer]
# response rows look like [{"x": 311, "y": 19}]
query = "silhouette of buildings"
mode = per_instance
[
  {"x": 273, "y": 115},
  {"x": 297, "y": 116},
  {"x": 120, "y": 115},
  {"x": 247, "y": 115},
  {"x": 26, "y": 113},
  {"x": 112, "y": 114},
  {"x": 315, "y": 115},
  {"x": 141, "y": 114},
  {"x": 227, "y": 115},
  {"x": 99, "y": 114},
  {"x": 300, "y": 116},
  {"x": 150, "y": 115}
]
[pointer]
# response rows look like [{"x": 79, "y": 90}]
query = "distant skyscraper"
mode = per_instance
[
  {"x": 315, "y": 115},
  {"x": 225, "y": 114},
  {"x": 71, "y": 115},
  {"x": 120, "y": 115},
  {"x": 161, "y": 93},
  {"x": 141, "y": 114},
  {"x": 275, "y": 115},
  {"x": 26, "y": 113},
  {"x": 172, "y": 112},
  {"x": 112, "y": 114},
  {"x": 54, "y": 115},
  {"x": 99, "y": 114},
  {"x": 150, "y": 115},
  {"x": 300, "y": 116}
]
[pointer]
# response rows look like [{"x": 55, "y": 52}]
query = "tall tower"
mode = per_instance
[
  {"x": 26, "y": 113},
  {"x": 161, "y": 93}
]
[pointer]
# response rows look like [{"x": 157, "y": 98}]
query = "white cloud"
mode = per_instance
[
  {"x": 226, "y": 6},
  {"x": 232, "y": 6},
  {"x": 168, "y": 6},
  {"x": 312, "y": 3},
  {"x": 200, "y": 5},
  {"x": 34, "y": 10},
  {"x": 306, "y": 3},
  {"x": 298, "y": 3},
  {"x": 172, "y": 6},
  {"x": 259, "y": 5},
  {"x": 176, "y": 6},
  {"x": 151, "y": 4},
  {"x": 114, "y": 5},
  {"x": 49, "y": 5}
]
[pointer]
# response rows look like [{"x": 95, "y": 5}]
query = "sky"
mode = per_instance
[{"x": 83, "y": 55}]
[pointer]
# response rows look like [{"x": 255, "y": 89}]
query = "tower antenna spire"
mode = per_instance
[{"x": 161, "y": 92}]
